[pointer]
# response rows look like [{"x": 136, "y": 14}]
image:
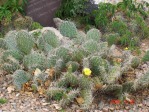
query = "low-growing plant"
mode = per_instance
[
  {"x": 146, "y": 57},
  {"x": 11, "y": 6},
  {"x": 104, "y": 14},
  {"x": 36, "y": 25},
  {"x": 71, "y": 8},
  {"x": 77, "y": 66},
  {"x": 3, "y": 101}
]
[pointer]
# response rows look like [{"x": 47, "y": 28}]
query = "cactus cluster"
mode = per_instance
[
  {"x": 72, "y": 86},
  {"x": 64, "y": 61}
]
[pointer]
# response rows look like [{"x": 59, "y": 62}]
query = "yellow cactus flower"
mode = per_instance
[
  {"x": 126, "y": 48},
  {"x": 87, "y": 71}
]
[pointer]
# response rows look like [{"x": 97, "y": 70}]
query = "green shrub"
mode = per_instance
[
  {"x": 36, "y": 25},
  {"x": 3, "y": 101},
  {"x": 146, "y": 57},
  {"x": 71, "y": 8},
  {"x": 112, "y": 38}
]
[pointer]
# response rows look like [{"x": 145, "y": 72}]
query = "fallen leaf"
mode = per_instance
[
  {"x": 80, "y": 100},
  {"x": 50, "y": 72},
  {"x": 47, "y": 83},
  {"x": 57, "y": 107},
  {"x": 29, "y": 94},
  {"x": 41, "y": 91},
  {"x": 10, "y": 89},
  {"x": 27, "y": 87},
  {"x": 98, "y": 86}
]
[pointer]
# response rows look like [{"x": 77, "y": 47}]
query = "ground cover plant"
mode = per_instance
[
  {"x": 126, "y": 21},
  {"x": 70, "y": 67}
]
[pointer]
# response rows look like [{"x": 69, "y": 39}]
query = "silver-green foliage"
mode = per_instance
[
  {"x": 10, "y": 40},
  {"x": 94, "y": 34},
  {"x": 74, "y": 65},
  {"x": 12, "y": 53},
  {"x": 11, "y": 65},
  {"x": 73, "y": 86},
  {"x": 91, "y": 46},
  {"x": 25, "y": 42},
  {"x": 84, "y": 51},
  {"x": 3, "y": 44},
  {"x": 34, "y": 60},
  {"x": 62, "y": 53},
  {"x": 142, "y": 82},
  {"x": 51, "y": 38},
  {"x": 20, "y": 77},
  {"x": 68, "y": 98},
  {"x": 68, "y": 29}
]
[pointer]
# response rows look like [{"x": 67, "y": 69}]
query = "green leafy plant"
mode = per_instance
[
  {"x": 36, "y": 25},
  {"x": 146, "y": 57},
  {"x": 5, "y": 12},
  {"x": 58, "y": 96},
  {"x": 12, "y": 6},
  {"x": 103, "y": 14},
  {"x": 130, "y": 7},
  {"x": 3, "y": 101},
  {"x": 71, "y": 8},
  {"x": 17, "y": 5}
]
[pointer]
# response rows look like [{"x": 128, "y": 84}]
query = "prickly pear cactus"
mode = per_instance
[
  {"x": 75, "y": 65},
  {"x": 10, "y": 40},
  {"x": 75, "y": 86},
  {"x": 12, "y": 53},
  {"x": 34, "y": 60},
  {"x": 3, "y": 44},
  {"x": 94, "y": 34},
  {"x": 68, "y": 29},
  {"x": 79, "y": 66},
  {"x": 51, "y": 38},
  {"x": 20, "y": 77},
  {"x": 25, "y": 42},
  {"x": 11, "y": 65}
]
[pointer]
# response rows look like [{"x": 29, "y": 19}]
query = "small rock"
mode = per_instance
[
  {"x": 117, "y": 107},
  {"x": 127, "y": 107},
  {"x": 111, "y": 108},
  {"x": 17, "y": 94},
  {"x": 97, "y": 111},
  {"x": 140, "y": 105},
  {"x": 105, "y": 109},
  {"x": 13, "y": 110},
  {"x": 44, "y": 104},
  {"x": 57, "y": 107},
  {"x": 45, "y": 110},
  {"x": 79, "y": 111}
]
